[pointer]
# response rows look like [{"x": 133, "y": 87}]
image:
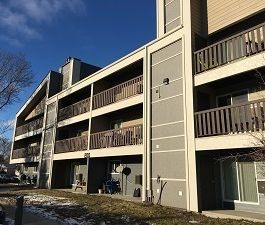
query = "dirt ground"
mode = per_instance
[{"x": 71, "y": 208}]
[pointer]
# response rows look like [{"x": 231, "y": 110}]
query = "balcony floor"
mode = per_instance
[
  {"x": 230, "y": 141},
  {"x": 102, "y": 152}
]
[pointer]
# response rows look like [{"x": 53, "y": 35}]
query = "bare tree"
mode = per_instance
[
  {"x": 15, "y": 76},
  {"x": 257, "y": 152},
  {"x": 5, "y": 147}
]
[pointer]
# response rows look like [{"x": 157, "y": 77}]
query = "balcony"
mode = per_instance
[
  {"x": 239, "y": 46},
  {"x": 74, "y": 110},
  {"x": 71, "y": 144},
  {"x": 229, "y": 120},
  {"x": 132, "y": 135},
  {"x": 30, "y": 151},
  {"x": 120, "y": 92},
  {"x": 31, "y": 126}
]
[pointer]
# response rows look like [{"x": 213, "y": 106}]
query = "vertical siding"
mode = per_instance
[
  {"x": 167, "y": 126},
  {"x": 196, "y": 17},
  {"x": 172, "y": 12},
  {"x": 223, "y": 13}
]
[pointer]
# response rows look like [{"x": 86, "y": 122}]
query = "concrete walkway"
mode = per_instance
[
  {"x": 28, "y": 218},
  {"x": 238, "y": 215}
]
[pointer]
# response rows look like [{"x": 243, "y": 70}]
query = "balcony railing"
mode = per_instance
[
  {"x": 71, "y": 144},
  {"x": 31, "y": 126},
  {"x": 248, "y": 117},
  {"x": 75, "y": 109},
  {"x": 241, "y": 45},
  {"x": 119, "y": 137},
  {"x": 120, "y": 92},
  {"x": 31, "y": 151}
]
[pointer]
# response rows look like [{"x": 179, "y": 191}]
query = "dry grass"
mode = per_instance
[{"x": 114, "y": 211}]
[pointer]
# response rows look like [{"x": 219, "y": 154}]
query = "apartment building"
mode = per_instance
[{"x": 176, "y": 118}]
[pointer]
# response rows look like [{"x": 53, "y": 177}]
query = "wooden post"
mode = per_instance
[
  {"x": 87, "y": 156},
  {"x": 19, "y": 210}
]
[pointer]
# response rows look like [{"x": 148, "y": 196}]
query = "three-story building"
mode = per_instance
[{"x": 177, "y": 118}]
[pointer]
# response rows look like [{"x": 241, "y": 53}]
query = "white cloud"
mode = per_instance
[{"x": 24, "y": 17}]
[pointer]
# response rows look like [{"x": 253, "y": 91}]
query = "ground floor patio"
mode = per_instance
[
  {"x": 109, "y": 175},
  {"x": 231, "y": 180}
]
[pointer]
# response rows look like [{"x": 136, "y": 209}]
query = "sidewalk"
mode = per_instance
[
  {"x": 28, "y": 218},
  {"x": 237, "y": 215}
]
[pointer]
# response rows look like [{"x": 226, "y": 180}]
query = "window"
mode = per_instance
[
  {"x": 113, "y": 165},
  {"x": 115, "y": 124},
  {"x": 230, "y": 180},
  {"x": 239, "y": 181},
  {"x": 233, "y": 98},
  {"x": 35, "y": 169},
  {"x": 26, "y": 168}
]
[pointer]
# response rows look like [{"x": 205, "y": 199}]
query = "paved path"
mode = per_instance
[
  {"x": 233, "y": 214},
  {"x": 28, "y": 218}
]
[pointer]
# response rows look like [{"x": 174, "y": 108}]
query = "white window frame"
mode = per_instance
[
  {"x": 110, "y": 168},
  {"x": 35, "y": 169},
  {"x": 179, "y": 17},
  {"x": 115, "y": 122},
  {"x": 239, "y": 193},
  {"x": 26, "y": 168},
  {"x": 231, "y": 96}
]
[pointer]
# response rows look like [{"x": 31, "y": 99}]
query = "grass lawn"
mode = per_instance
[{"x": 71, "y": 208}]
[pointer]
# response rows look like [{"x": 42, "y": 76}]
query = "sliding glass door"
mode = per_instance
[
  {"x": 239, "y": 181},
  {"x": 247, "y": 182}
]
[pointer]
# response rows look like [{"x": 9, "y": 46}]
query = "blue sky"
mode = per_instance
[{"x": 97, "y": 32}]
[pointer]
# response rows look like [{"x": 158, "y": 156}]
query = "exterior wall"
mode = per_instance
[
  {"x": 66, "y": 71},
  {"x": 55, "y": 84},
  {"x": 99, "y": 173},
  {"x": 31, "y": 169},
  {"x": 61, "y": 174},
  {"x": 198, "y": 17},
  {"x": 45, "y": 166},
  {"x": 255, "y": 92},
  {"x": 167, "y": 126},
  {"x": 128, "y": 182},
  {"x": 169, "y": 15},
  {"x": 38, "y": 109},
  {"x": 224, "y": 13},
  {"x": 76, "y": 67},
  {"x": 253, "y": 207}
]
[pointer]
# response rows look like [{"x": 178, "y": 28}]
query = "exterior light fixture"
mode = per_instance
[{"x": 166, "y": 81}]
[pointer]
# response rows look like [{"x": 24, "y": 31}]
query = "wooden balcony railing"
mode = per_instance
[
  {"x": 31, "y": 126},
  {"x": 238, "y": 46},
  {"x": 71, "y": 144},
  {"x": 119, "y": 137},
  {"x": 120, "y": 92},
  {"x": 249, "y": 117},
  {"x": 75, "y": 109},
  {"x": 31, "y": 151}
]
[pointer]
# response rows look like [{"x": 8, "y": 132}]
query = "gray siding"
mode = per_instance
[
  {"x": 99, "y": 173},
  {"x": 167, "y": 126},
  {"x": 259, "y": 208},
  {"x": 47, "y": 148},
  {"x": 173, "y": 199},
  {"x": 224, "y": 13},
  {"x": 128, "y": 182},
  {"x": 172, "y": 14}
]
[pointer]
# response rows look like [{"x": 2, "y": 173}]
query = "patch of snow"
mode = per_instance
[
  {"x": 51, "y": 215},
  {"x": 41, "y": 205},
  {"x": 9, "y": 221},
  {"x": 78, "y": 221},
  {"x": 126, "y": 218}
]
